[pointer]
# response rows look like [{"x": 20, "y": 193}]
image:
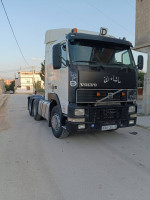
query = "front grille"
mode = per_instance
[
  {"x": 90, "y": 96},
  {"x": 109, "y": 114}
]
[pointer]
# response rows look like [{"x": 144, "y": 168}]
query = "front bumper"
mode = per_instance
[{"x": 100, "y": 116}]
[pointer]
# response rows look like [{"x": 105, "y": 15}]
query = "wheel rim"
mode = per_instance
[{"x": 55, "y": 122}]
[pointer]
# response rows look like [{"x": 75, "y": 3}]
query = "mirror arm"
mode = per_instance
[
  {"x": 62, "y": 58},
  {"x": 64, "y": 62}
]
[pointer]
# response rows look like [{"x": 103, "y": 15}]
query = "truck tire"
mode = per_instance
[
  {"x": 37, "y": 117},
  {"x": 30, "y": 107},
  {"x": 56, "y": 123}
]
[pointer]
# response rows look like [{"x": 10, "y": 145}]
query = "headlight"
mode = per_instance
[
  {"x": 79, "y": 112},
  {"x": 131, "y": 109},
  {"x": 76, "y": 119},
  {"x": 132, "y": 95}
]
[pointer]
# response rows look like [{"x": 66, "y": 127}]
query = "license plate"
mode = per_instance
[{"x": 109, "y": 127}]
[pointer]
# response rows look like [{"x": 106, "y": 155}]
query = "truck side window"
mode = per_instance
[
  {"x": 126, "y": 58},
  {"x": 63, "y": 55}
]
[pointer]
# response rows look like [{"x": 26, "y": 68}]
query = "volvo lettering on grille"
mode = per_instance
[{"x": 88, "y": 84}]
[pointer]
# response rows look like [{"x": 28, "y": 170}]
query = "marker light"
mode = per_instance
[
  {"x": 81, "y": 126},
  {"x": 133, "y": 115},
  {"x": 131, "y": 122},
  {"x": 123, "y": 94},
  {"x": 98, "y": 94},
  {"x": 74, "y": 30},
  {"x": 76, "y": 119}
]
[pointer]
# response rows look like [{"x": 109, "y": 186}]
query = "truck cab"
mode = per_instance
[{"x": 90, "y": 82}]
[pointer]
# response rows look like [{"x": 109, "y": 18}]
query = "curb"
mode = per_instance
[{"x": 142, "y": 126}]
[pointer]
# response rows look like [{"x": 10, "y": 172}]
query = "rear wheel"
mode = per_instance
[
  {"x": 30, "y": 107},
  {"x": 56, "y": 123}
]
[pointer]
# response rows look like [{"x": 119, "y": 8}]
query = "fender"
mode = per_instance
[{"x": 54, "y": 96}]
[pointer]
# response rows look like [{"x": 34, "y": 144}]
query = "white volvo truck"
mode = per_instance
[{"x": 90, "y": 82}]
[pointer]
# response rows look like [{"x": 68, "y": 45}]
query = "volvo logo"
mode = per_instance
[
  {"x": 88, "y": 84},
  {"x": 110, "y": 95},
  {"x": 73, "y": 83}
]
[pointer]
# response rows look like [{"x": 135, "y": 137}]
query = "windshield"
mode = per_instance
[{"x": 85, "y": 52}]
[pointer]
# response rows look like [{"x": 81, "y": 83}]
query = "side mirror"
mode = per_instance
[
  {"x": 67, "y": 62},
  {"x": 56, "y": 56},
  {"x": 140, "y": 62}
]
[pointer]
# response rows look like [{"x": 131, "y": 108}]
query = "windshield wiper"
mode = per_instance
[
  {"x": 96, "y": 64},
  {"x": 117, "y": 64},
  {"x": 125, "y": 69},
  {"x": 86, "y": 61}
]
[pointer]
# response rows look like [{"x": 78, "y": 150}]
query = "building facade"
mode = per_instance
[
  {"x": 26, "y": 82},
  {"x": 142, "y": 44},
  {"x": 142, "y": 29}
]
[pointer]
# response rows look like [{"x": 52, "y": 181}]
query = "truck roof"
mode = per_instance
[
  {"x": 55, "y": 34},
  {"x": 98, "y": 38}
]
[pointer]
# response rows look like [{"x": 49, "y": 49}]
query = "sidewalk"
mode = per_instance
[{"x": 142, "y": 120}]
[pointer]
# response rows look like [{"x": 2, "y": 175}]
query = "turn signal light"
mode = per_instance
[
  {"x": 98, "y": 94},
  {"x": 123, "y": 94}
]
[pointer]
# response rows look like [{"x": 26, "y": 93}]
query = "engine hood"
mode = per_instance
[{"x": 108, "y": 78}]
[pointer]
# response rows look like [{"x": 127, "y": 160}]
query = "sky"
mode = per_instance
[{"x": 31, "y": 18}]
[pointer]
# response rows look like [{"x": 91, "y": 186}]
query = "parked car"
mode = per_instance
[{"x": 11, "y": 92}]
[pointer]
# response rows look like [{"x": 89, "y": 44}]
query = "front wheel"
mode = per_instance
[{"x": 56, "y": 123}]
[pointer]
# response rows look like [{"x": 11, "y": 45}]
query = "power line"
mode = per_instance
[
  {"x": 131, "y": 3},
  {"x": 22, "y": 68},
  {"x": 77, "y": 17},
  {"x": 110, "y": 18},
  {"x": 14, "y": 33}
]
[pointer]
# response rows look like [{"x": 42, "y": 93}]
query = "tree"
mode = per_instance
[
  {"x": 10, "y": 87},
  {"x": 37, "y": 85},
  {"x": 141, "y": 79},
  {"x": 42, "y": 73}
]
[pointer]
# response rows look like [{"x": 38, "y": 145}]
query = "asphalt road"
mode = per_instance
[{"x": 34, "y": 165}]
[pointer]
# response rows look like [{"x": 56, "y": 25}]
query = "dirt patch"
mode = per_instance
[{"x": 4, "y": 125}]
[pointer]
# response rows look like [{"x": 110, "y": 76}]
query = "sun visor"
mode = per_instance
[{"x": 55, "y": 34}]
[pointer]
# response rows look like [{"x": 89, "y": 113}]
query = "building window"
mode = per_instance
[
  {"x": 28, "y": 87},
  {"x": 27, "y": 80}
]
